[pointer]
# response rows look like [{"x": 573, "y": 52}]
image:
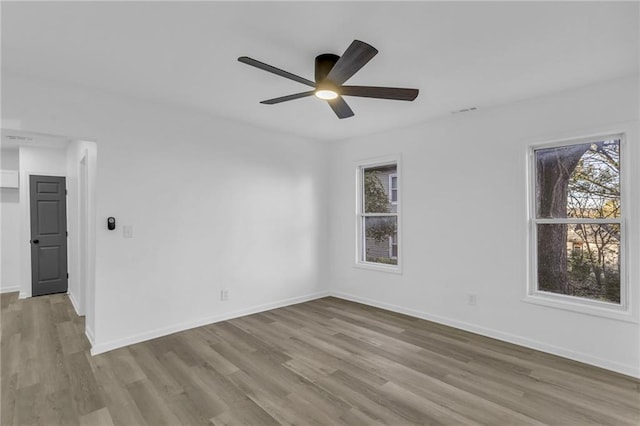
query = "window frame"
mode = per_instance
[
  {"x": 621, "y": 311},
  {"x": 360, "y": 166}
]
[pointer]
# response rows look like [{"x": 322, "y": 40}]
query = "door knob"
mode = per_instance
[{"x": 36, "y": 241}]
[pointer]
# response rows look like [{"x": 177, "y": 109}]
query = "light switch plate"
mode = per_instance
[{"x": 127, "y": 231}]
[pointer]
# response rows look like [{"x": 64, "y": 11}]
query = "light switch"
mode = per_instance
[{"x": 127, "y": 231}]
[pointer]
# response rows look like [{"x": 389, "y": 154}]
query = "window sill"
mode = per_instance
[
  {"x": 569, "y": 303},
  {"x": 392, "y": 269}
]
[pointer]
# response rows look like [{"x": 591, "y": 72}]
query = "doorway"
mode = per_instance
[{"x": 48, "y": 214}]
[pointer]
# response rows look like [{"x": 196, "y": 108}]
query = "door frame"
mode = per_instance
[{"x": 83, "y": 231}]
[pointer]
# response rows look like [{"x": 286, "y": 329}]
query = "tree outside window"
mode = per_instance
[{"x": 578, "y": 220}]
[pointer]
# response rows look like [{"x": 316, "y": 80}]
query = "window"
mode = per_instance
[
  {"x": 393, "y": 246},
  {"x": 378, "y": 220},
  {"x": 393, "y": 188},
  {"x": 577, "y": 223}
]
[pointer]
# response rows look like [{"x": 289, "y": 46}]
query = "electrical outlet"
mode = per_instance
[
  {"x": 224, "y": 294},
  {"x": 472, "y": 299}
]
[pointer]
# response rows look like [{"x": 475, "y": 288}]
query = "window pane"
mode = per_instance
[
  {"x": 376, "y": 189},
  {"x": 393, "y": 246},
  {"x": 580, "y": 260},
  {"x": 393, "y": 189},
  {"x": 377, "y": 231},
  {"x": 581, "y": 181}
]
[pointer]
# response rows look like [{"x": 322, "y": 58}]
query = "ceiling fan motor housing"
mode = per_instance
[{"x": 324, "y": 63}]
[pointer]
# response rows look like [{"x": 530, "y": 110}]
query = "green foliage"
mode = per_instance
[
  {"x": 583, "y": 282},
  {"x": 380, "y": 228},
  {"x": 579, "y": 267},
  {"x": 376, "y": 200},
  {"x": 384, "y": 260},
  {"x": 612, "y": 285}
]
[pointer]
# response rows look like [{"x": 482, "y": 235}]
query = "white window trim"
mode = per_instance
[
  {"x": 359, "y": 246},
  {"x": 393, "y": 175},
  {"x": 620, "y": 311}
]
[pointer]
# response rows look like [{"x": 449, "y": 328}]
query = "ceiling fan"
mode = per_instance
[{"x": 331, "y": 72}]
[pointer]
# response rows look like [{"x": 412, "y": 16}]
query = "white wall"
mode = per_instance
[
  {"x": 465, "y": 222},
  {"x": 81, "y": 255},
  {"x": 9, "y": 217},
  {"x": 34, "y": 160},
  {"x": 213, "y": 204}
]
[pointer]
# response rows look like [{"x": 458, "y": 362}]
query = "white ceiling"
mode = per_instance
[{"x": 459, "y": 54}]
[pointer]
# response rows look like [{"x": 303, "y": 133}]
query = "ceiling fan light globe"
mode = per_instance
[{"x": 326, "y": 94}]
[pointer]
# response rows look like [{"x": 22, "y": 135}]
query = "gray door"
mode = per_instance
[{"x": 48, "y": 235}]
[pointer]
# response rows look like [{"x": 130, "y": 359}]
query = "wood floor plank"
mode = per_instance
[
  {"x": 70, "y": 340},
  {"x": 358, "y": 400},
  {"x": 397, "y": 405},
  {"x": 247, "y": 414},
  {"x": 53, "y": 371},
  {"x": 461, "y": 401},
  {"x": 125, "y": 366},
  {"x": 10, "y": 354},
  {"x": 8, "y": 397},
  {"x": 324, "y": 362},
  {"x": 83, "y": 385},
  {"x": 432, "y": 412},
  {"x": 269, "y": 402},
  {"x": 101, "y": 417},
  {"x": 30, "y": 406},
  {"x": 207, "y": 403},
  {"x": 155, "y": 371},
  {"x": 151, "y": 405},
  {"x": 58, "y": 409},
  {"x": 185, "y": 409},
  {"x": 355, "y": 417},
  {"x": 220, "y": 385},
  {"x": 206, "y": 353},
  {"x": 117, "y": 399}
]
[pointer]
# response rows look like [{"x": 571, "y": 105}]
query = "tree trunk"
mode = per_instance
[
  {"x": 552, "y": 258},
  {"x": 553, "y": 171}
]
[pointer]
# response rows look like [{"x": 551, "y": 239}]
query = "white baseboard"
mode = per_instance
[
  {"x": 23, "y": 295},
  {"x": 10, "y": 289},
  {"x": 89, "y": 333},
  {"x": 75, "y": 304},
  {"x": 629, "y": 370},
  {"x": 99, "y": 348}
]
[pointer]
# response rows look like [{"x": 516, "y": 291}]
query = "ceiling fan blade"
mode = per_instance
[
  {"x": 274, "y": 70},
  {"x": 355, "y": 57},
  {"x": 340, "y": 107},
  {"x": 288, "y": 98},
  {"x": 394, "y": 93}
]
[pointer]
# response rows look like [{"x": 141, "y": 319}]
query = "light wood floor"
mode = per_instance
[{"x": 323, "y": 362}]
